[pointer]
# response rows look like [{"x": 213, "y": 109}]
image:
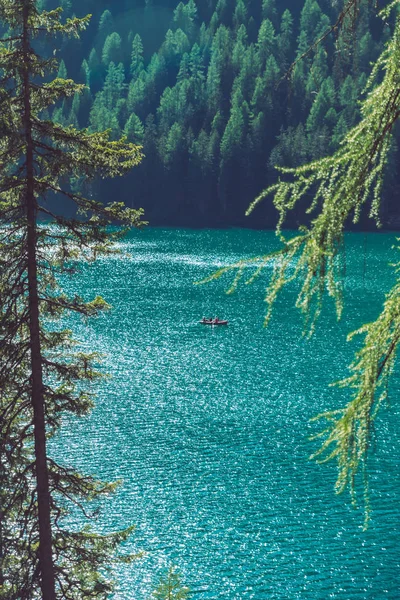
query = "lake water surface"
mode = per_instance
[{"x": 208, "y": 428}]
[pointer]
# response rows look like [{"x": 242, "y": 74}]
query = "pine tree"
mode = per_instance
[
  {"x": 240, "y": 15},
  {"x": 137, "y": 63},
  {"x": 174, "y": 145},
  {"x": 285, "y": 38},
  {"x": 197, "y": 77},
  {"x": 318, "y": 72},
  {"x": 106, "y": 26},
  {"x": 75, "y": 109},
  {"x": 112, "y": 50},
  {"x": 269, "y": 11},
  {"x": 84, "y": 73},
  {"x": 240, "y": 46},
  {"x": 214, "y": 86},
  {"x": 175, "y": 45},
  {"x": 62, "y": 70},
  {"x": 134, "y": 129},
  {"x": 137, "y": 93},
  {"x": 220, "y": 70},
  {"x": 41, "y": 558},
  {"x": 231, "y": 152},
  {"x": 185, "y": 16},
  {"x": 366, "y": 52},
  {"x": 184, "y": 68},
  {"x": 109, "y": 104},
  {"x": 248, "y": 73},
  {"x": 310, "y": 18},
  {"x": 324, "y": 100},
  {"x": 113, "y": 86},
  {"x": 266, "y": 42}
]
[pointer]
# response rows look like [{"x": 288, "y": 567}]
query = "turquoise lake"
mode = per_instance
[{"x": 208, "y": 428}]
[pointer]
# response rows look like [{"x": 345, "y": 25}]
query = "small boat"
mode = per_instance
[{"x": 215, "y": 321}]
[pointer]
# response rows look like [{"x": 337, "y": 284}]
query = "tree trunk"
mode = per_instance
[
  {"x": 42, "y": 476},
  {"x": 2, "y": 478}
]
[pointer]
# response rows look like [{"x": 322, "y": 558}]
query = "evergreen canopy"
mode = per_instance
[{"x": 211, "y": 70}]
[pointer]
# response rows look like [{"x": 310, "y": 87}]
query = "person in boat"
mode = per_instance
[{"x": 216, "y": 320}]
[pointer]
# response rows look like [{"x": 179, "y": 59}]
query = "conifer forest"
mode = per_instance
[{"x": 202, "y": 87}]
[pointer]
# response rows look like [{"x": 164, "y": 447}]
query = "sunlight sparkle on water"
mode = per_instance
[{"x": 208, "y": 428}]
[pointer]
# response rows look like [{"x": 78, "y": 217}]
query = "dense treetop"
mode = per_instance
[{"x": 202, "y": 87}]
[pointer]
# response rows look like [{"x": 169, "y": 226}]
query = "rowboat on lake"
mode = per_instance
[{"x": 215, "y": 321}]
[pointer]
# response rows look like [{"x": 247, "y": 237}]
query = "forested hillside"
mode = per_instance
[{"x": 200, "y": 86}]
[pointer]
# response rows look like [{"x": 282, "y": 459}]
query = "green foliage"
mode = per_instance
[
  {"x": 185, "y": 16},
  {"x": 340, "y": 186},
  {"x": 266, "y": 41},
  {"x": 240, "y": 15},
  {"x": 324, "y": 101},
  {"x": 62, "y": 71},
  {"x": 310, "y": 17},
  {"x": 108, "y": 105},
  {"x": 170, "y": 587},
  {"x": 134, "y": 130},
  {"x": 285, "y": 37},
  {"x": 269, "y": 10},
  {"x": 173, "y": 144},
  {"x": 51, "y": 377},
  {"x": 233, "y": 135},
  {"x": 106, "y": 25},
  {"x": 112, "y": 49},
  {"x": 218, "y": 48},
  {"x": 349, "y": 430},
  {"x": 137, "y": 63}
]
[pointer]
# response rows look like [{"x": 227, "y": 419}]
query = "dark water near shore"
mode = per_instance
[{"x": 208, "y": 427}]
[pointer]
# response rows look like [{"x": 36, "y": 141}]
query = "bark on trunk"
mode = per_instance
[{"x": 42, "y": 476}]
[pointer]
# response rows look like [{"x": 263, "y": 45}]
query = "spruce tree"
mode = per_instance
[
  {"x": 112, "y": 49},
  {"x": 197, "y": 77},
  {"x": 185, "y": 16},
  {"x": 62, "y": 71},
  {"x": 106, "y": 26},
  {"x": 134, "y": 129},
  {"x": 41, "y": 376},
  {"x": 240, "y": 16},
  {"x": 266, "y": 42},
  {"x": 310, "y": 17},
  {"x": 269, "y": 11},
  {"x": 285, "y": 38},
  {"x": 137, "y": 63}
]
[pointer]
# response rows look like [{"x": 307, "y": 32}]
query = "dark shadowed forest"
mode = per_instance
[{"x": 202, "y": 87}]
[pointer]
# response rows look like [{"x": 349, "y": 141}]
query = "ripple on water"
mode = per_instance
[{"x": 208, "y": 428}]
